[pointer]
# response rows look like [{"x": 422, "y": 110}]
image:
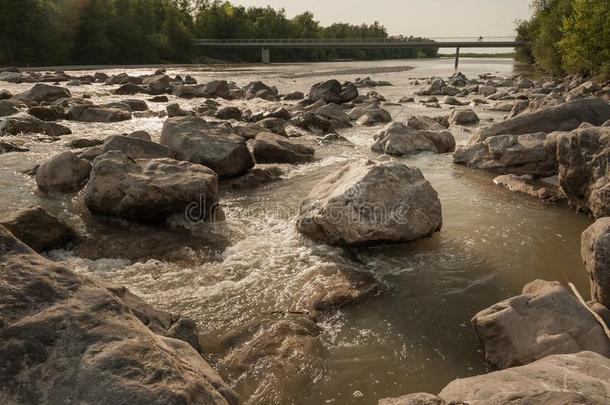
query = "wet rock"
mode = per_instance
[
  {"x": 31, "y": 125},
  {"x": 280, "y": 112},
  {"x": 5, "y": 95},
  {"x": 136, "y": 148},
  {"x": 64, "y": 173},
  {"x": 517, "y": 154},
  {"x": 526, "y": 184},
  {"x": 373, "y": 95},
  {"x": 258, "y": 175},
  {"x": 524, "y": 83},
  {"x": 174, "y": 110},
  {"x": 420, "y": 398},
  {"x": 129, "y": 89},
  {"x": 463, "y": 116},
  {"x": 368, "y": 82},
  {"x": 157, "y": 84},
  {"x": 188, "y": 79},
  {"x": 158, "y": 99},
  {"x": 43, "y": 92},
  {"x": 563, "y": 117},
  {"x": 217, "y": 88},
  {"x": 8, "y": 147},
  {"x": 93, "y": 113},
  {"x": 271, "y": 148},
  {"x": 83, "y": 143},
  {"x": 595, "y": 252},
  {"x": 229, "y": 113},
  {"x": 312, "y": 122},
  {"x": 286, "y": 346},
  {"x": 367, "y": 202},
  {"x": 100, "y": 77},
  {"x": 335, "y": 114},
  {"x": 123, "y": 78},
  {"x": 584, "y": 170},
  {"x": 259, "y": 89},
  {"x": 188, "y": 92},
  {"x": 487, "y": 90},
  {"x": 296, "y": 95},
  {"x": 51, "y": 113},
  {"x": 374, "y": 117},
  {"x": 275, "y": 125},
  {"x": 332, "y": 91},
  {"x": 517, "y": 331},
  {"x": 407, "y": 100},
  {"x": 427, "y": 123},
  {"x": 582, "y": 378},
  {"x": 397, "y": 139},
  {"x": 451, "y": 101},
  {"x": 73, "y": 330},
  {"x": 91, "y": 153},
  {"x": 7, "y": 108},
  {"x": 150, "y": 190},
  {"x": 215, "y": 145},
  {"x": 38, "y": 229},
  {"x": 143, "y": 135},
  {"x": 135, "y": 104}
]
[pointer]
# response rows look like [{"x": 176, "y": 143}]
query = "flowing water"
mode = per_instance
[{"x": 416, "y": 335}]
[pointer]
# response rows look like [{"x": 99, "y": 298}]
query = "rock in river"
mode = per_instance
[
  {"x": 463, "y": 116},
  {"x": 367, "y": 202},
  {"x": 271, "y": 148},
  {"x": 214, "y": 145},
  {"x": 43, "y": 92},
  {"x": 66, "y": 338},
  {"x": 64, "y": 173},
  {"x": 94, "y": 113},
  {"x": 150, "y": 190},
  {"x": 546, "y": 319},
  {"x": 136, "y": 148},
  {"x": 31, "y": 125},
  {"x": 398, "y": 139},
  {"x": 595, "y": 252}
]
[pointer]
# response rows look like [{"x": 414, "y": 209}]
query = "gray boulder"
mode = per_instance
[
  {"x": 50, "y": 113},
  {"x": 38, "y": 229},
  {"x": 397, "y": 139},
  {"x": 93, "y": 113},
  {"x": 43, "y": 92},
  {"x": 420, "y": 398},
  {"x": 188, "y": 92},
  {"x": 332, "y": 91},
  {"x": 217, "y": 88},
  {"x": 215, "y": 145},
  {"x": 64, "y": 173},
  {"x": 271, "y": 148},
  {"x": 86, "y": 343},
  {"x": 367, "y": 202},
  {"x": 30, "y": 125},
  {"x": 157, "y": 84},
  {"x": 259, "y": 89},
  {"x": 335, "y": 114},
  {"x": 536, "y": 188},
  {"x": 136, "y": 148},
  {"x": 229, "y": 113},
  {"x": 595, "y": 252},
  {"x": 463, "y": 116},
  {"x": 546, "y": 319},
  {"x": 150, "y": 190},
  {"x": 581, "y": 378}
]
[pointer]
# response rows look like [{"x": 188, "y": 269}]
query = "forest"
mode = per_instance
[
  {"x": 99, "y": 32},
  {"x": 568, "y": 36}
]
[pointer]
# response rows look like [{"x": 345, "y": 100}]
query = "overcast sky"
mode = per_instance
[{"x": 432, "y": 18}]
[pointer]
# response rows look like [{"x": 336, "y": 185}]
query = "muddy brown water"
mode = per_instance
[{"x": 416, "y": 336}]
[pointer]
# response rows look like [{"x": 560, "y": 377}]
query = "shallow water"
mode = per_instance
[{"x": 416, "y": 336}]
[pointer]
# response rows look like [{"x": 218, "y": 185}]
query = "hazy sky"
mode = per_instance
[{"x": 432, "y": 18}]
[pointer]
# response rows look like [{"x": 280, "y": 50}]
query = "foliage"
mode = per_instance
[
  {"x": 61, "y": 32},
  {"x": 567, "y": 36}
]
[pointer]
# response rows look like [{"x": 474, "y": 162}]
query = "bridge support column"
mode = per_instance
[
  {"x": 457, "y": 57},
  {"x": 266, "y": 56}
]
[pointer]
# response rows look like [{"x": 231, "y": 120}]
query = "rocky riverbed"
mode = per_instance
[{"x": 304, "y": 235}]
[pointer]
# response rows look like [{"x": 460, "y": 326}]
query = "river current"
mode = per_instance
[{"x": 416, "y": 335}]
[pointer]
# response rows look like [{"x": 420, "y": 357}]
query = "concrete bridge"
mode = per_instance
[{"x": 265, "y": 45}]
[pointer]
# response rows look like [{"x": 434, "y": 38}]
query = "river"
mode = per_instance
[{"x": 416, "y": 335}]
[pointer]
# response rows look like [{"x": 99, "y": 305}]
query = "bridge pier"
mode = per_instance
[
  {"x": 457, "y": 57},
  {"x": 265, "y": 56}
]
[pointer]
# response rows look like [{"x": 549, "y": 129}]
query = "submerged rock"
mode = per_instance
[
  {"x": 85, "y": 344},
  {"x": 526, "y": 184},
  {"x": 31, "y": 125},
  {"x": 581, "y": 378},
  {"x": 215, "y": 145},
  {"x": 367, "y": 202},
  {"x": 420, "y": 398},
  {"x": 595, "y": 252},
  {"x": 8, "y": 147},
  {"x": 38, "y": 229},
  {"x": 65, "y": 173},
  {"x": 150, "y": 190},
  {"x": 546, "y": 319},
  {"x": 397, "y": 139},
  {"x": 271, "y": 148}
]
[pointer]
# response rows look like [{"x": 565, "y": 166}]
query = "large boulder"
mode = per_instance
[
  {"x": 335, "y": 114},
  {"x": 43, "y": 92},
  {"x": 517, "y": 154},
  {"x": 546, "y": 319},
  {"x": 30, "y": 125},
  {"x": 463, "y": 116},
  {"x": 420, "y": 398},
  {"x": 95, "y": 113},
  {"x": 217, "y": 88},
  {"x": 272, "y": 148},
  {"x": 543, "y": 189},
  {"x": 367, "y": 202},
  {"x": 331, "y": 91},
  {"x": 38, "y": 229},
  {"x": 584, "y": 169},
  {"x": 259, "y": 89},
  {"x": 214, "y": 145},
  {"x": 150, "y": 190},
  {"x": 581, "y": 378},
  {"x": 65, "y": 173},
  {"x": 188, "y": 92},
  {"x": 85, "y": 343},
  {"x": 157, "y": 84},
  {"x": 51, "y": 113},
  {"x": 398, "y": 139},
  {"x": 136, "y": 148},
  {"x": 562, "y": 117},
  {"x": 595, "y": 252}
]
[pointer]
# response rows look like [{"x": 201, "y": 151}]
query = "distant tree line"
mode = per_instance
[
  {"x": 568, "y": 36},
  {"x": 62, "y": 32}
]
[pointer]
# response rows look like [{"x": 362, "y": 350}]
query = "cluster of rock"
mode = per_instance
[{"x": 551, "y": 347}]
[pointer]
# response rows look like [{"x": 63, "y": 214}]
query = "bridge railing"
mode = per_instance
[{"x": 263, "y": 41}]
